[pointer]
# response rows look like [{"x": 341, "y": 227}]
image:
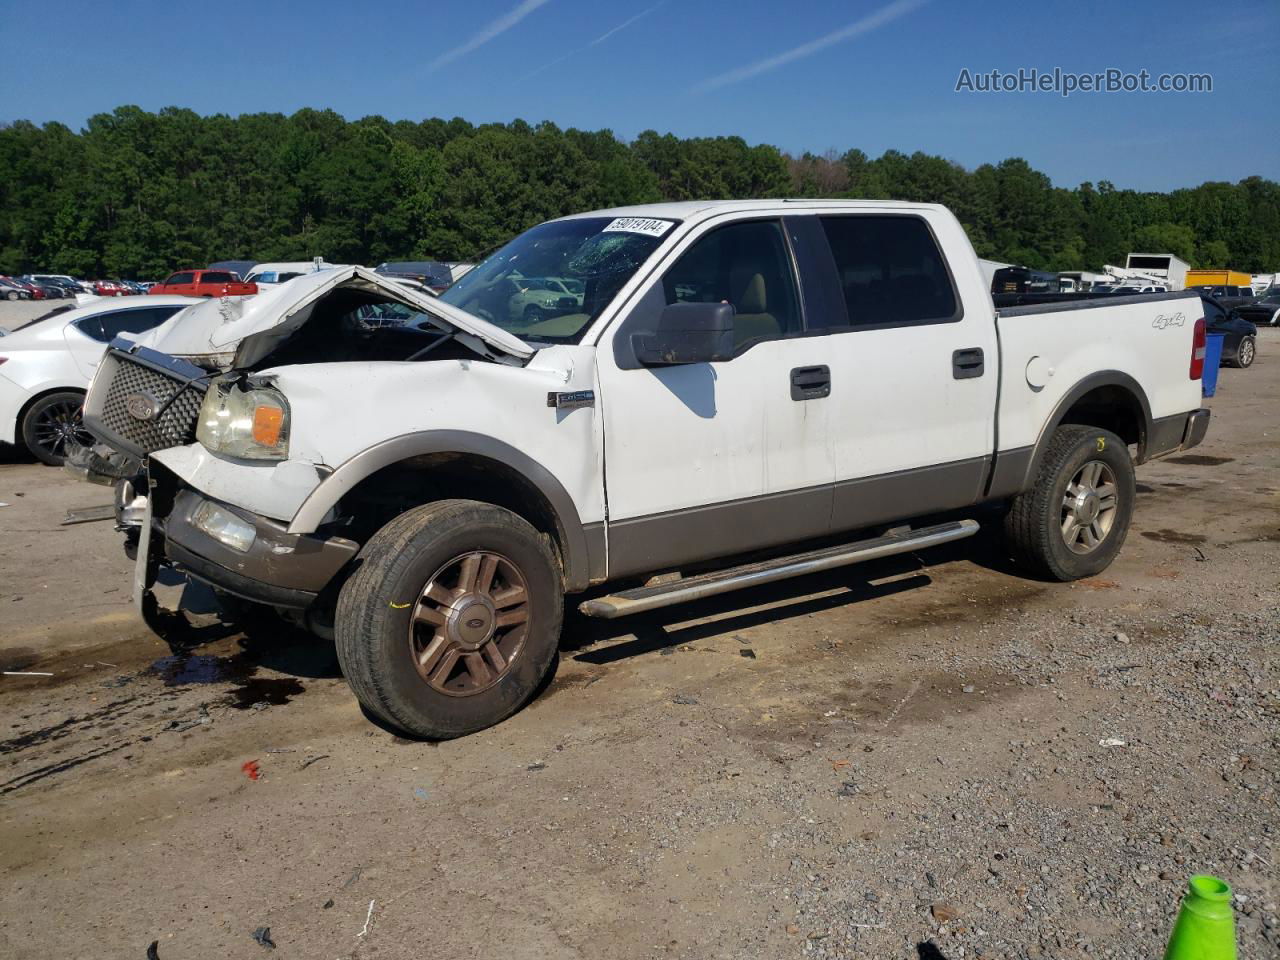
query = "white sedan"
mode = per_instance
[{"x": 46, "y": 365}]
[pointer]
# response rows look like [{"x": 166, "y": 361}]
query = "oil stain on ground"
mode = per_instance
[{"x": 197, "y": 669}]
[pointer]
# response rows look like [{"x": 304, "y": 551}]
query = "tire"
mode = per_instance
[
  {"x": 12, "y": 295},
  {"x": 1036, "y": 526},
  {"x": 1246, "y": 353},
  {"x": 386, "y": 618},
  {"x": 52, "y": 423},
  {"x": 533, "y": 314}
]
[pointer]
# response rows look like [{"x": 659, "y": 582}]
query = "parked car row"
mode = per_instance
[{"x": 1265, "y": 310}]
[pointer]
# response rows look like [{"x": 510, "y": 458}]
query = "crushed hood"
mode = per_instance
[{"x": 237, "y": 332}]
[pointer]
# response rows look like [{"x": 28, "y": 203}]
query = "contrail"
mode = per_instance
[
  {"x": 596, "y": 42},
  {"x": 501, "y": 25},
  {"x": 874, "y": 21}
]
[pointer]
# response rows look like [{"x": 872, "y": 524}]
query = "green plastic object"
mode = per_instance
[{"x": 1205, "y": 928}]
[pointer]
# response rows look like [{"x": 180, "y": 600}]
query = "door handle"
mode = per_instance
[
  {"x": 810, "y": 383},
  {"x": 968, "y": 363}
]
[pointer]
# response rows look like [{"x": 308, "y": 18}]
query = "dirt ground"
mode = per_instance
[{"x": 926, "y": 757}]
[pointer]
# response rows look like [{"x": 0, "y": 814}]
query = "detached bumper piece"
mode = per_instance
[{"x": 277, "y": 567}]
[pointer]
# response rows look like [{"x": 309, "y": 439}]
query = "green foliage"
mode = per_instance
[{"x": 137, "y": 194}]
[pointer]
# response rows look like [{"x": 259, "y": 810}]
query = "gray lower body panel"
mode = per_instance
[
  {"x": 680, "y": 537},
  {"x": 907, "y": 493},
  {"x": 666, "y": 540}
]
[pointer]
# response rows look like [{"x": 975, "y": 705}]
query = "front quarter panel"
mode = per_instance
[{"x": 339, "y": 410}]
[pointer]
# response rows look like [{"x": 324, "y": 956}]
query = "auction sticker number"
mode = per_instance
[{"x": 645, "y": 225}]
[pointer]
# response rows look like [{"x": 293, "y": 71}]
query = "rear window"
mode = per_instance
[
  {"x": 105, "y": 327},
  {"x": 891, "y": 271}
]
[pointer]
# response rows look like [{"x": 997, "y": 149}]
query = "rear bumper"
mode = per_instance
[
  {"x": 12, "y": 397},
  {"x": 1180, "y": 432},
  {"x": 280, "y": 568}
]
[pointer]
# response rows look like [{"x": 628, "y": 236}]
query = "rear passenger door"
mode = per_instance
[{"x": 913, "y": 373}]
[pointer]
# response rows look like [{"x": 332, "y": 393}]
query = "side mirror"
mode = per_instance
[{"x": 687, "y": 333}]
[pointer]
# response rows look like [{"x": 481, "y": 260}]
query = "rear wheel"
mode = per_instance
[
  {"x": 12, "y": 295},
  {"x": 452, "y": 619},
  {"x": 1247, "y": 352},
  {"x": 1073, "y": 522},
  {"x": 53, "y": 424}
]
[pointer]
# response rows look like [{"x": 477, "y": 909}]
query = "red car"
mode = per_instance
[
  {"x": 109, "y": 288},
  {"x": 205, "y": 283},
  {"x": 11, "y": 288}
]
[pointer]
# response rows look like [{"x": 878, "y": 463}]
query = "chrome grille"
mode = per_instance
[{"x": 110, "y": 419}]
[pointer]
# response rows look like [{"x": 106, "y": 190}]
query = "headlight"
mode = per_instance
[{"x": 244, "y": 422}]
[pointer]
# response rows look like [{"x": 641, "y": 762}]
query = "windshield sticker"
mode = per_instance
[{"x": 645, "y": 225}]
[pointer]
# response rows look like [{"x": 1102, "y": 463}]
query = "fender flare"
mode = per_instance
[
  {"x": 1103, "y": 378},
  {"x": 573, "y": 536}
]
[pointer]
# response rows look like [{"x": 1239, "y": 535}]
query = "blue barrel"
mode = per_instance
[{"x": 1212, "y": 358}]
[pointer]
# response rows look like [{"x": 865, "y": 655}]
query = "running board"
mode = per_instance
[{"x": 753, "y": 574}]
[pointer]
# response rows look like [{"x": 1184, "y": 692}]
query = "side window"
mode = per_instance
[
  {"x": 747, "y": 265},
  {"x": 134, "y": 321},
  {"x": 92, "y": 327},
  {"x": 891, "y": 270},
  {"x": 215, "y": 276},
  {"x": 180, "y": 278}
]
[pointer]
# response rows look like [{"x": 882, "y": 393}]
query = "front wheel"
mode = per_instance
[
  {"x": 53, "y": 425},
  {"x": 12, "y": 295},
  {"x": 1073, "y": 521},
  {"x": 452, "y": 619}
]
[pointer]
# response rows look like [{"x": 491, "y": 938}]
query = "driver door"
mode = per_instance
[{"x": 707, "y": 460}]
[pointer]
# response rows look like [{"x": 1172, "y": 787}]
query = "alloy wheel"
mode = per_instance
[
  {"x": 469, "y": 624},
  {"x": 58, "y": 426},
  {"x": 1089, "y": 507}
]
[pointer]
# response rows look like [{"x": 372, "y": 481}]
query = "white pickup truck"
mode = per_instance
[{"x": 704, "y": 389}]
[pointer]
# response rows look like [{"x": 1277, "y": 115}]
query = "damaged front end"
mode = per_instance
[{"x": 192, "y": 393}]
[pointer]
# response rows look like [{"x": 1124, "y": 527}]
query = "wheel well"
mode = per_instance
[
  {"x": 389, "y": 492},
  {"x": 1112, "y": 408},
  {"x": 33, "y": 400}
]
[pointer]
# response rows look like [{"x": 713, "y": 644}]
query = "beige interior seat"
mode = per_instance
[{"x": 751, "y": 303}]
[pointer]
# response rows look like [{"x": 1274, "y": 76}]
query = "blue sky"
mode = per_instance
[{"x": 801, "y": 74}]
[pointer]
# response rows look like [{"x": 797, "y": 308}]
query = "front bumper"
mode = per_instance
[{"x": 280, "y": 569}]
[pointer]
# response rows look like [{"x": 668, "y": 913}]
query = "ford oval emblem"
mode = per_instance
[{"x": 141, "y": 406}]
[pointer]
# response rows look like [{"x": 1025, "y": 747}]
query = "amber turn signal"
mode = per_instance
[{"x": 266, "y": 425}]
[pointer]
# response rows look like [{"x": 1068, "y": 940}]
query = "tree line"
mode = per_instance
[{"x": 136, "y": 194}]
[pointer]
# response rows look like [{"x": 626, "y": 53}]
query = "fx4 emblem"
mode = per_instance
[{"x": 142, "y": 406}]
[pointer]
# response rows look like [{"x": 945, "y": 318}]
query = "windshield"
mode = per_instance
[{"x": 551, "y": 282}]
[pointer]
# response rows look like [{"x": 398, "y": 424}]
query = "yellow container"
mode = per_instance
[{"x": 1216, "y": 278}]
